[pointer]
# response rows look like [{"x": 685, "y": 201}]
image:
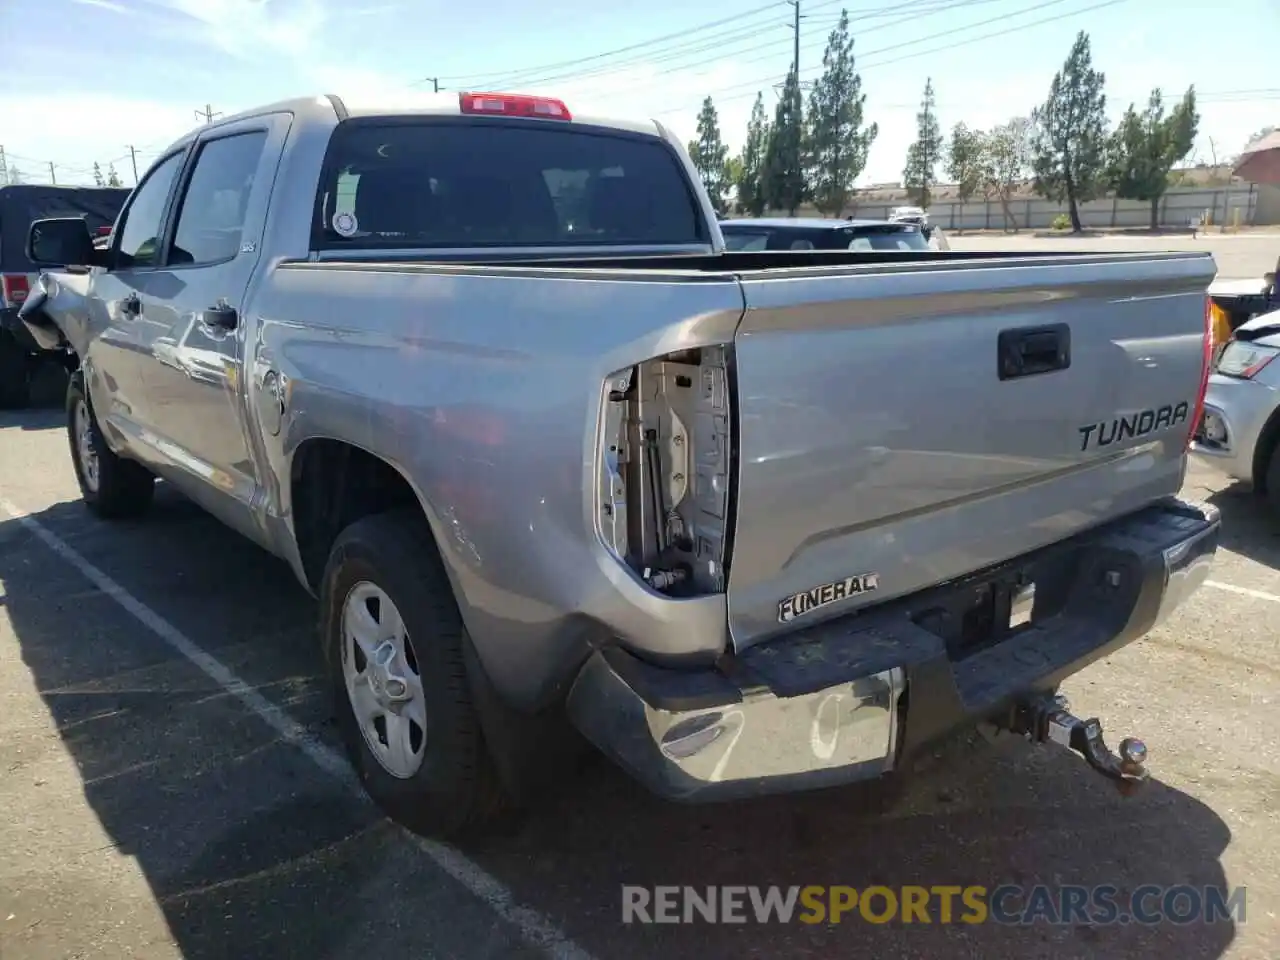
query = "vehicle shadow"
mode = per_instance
[
  {"x": 242, "y": 842},
  {"x": 46, "y": 417},
  {"x": 985, "y": 814},
  {"x": 1249, "y": 526}
]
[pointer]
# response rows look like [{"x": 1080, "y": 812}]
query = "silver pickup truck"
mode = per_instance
[{"x": 482, "y": 372}]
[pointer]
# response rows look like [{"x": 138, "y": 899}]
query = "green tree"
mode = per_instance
[
  {"x": 1069, "y": 147},
  {"x": 922, "y": 156},
  {"x": 749, "y": 181},
  {"x": 113, "y": 178},
  {"x": 836, "y": 142},
  {"x": 1146, "y": 146},
  {"x": 964, "y": 160},
  {"x": 1006, "y": 156},
  {"x": 784, "y": 182},
  {"x": 97, "y": 175},
  {"x": 710, "y": 156}
]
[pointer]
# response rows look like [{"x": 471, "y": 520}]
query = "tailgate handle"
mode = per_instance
[{"x": 1027, "y": 351}]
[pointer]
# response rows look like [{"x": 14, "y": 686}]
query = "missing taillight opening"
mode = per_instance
[{"x": 664, "y": 465}]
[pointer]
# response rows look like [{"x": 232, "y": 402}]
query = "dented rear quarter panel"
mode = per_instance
[{"x": 483, "y": 388}]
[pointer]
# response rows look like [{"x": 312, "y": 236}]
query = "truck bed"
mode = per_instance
[{"x": 859, "y": 441}]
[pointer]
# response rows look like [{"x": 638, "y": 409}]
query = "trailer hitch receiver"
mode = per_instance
[{"x": 1047, "y": 719}]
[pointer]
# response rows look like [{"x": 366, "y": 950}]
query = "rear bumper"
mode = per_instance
[{"x": 852, "y": 698}]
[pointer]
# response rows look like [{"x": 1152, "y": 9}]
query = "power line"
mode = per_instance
[
  {"x": 727, "y": 43},
  {"x": 698, "y": 28},
  {"x": 918, "y": 15},
  {"x": 757, "y": 84},
  {"x": 208, "y": 113}
]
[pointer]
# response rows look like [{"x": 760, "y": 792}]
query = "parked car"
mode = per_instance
[
  {"x": 812, "y": 233},
  {"x": 485, "y": 375},
  {"x": 1239, "y": 434},
  {"x": 20, "y": 205}
]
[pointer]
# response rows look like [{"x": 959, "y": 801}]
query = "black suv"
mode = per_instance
[
  {"x": 20, "y": 204},
  {"x": 801, "y": 233}
]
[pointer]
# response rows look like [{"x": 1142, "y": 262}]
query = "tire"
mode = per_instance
[
  {"x": 454, "y": 790},
  {"x": 15, "y": 373},
  {"x": 1273, "y": 481},
  {"x": 112, "y": 487}
]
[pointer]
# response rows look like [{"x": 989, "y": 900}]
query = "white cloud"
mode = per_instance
[
  {"x": 73, "y": 130},
  {"x": 251, "y": 29},
  {"x": 111, "y": 5}
]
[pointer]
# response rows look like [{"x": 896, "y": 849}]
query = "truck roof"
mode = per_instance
[{"x": 325, "y": 107}]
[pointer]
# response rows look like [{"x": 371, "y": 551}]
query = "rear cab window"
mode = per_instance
[{"x": 445, "y": 182}]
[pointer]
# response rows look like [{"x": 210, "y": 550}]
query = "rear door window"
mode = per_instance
[
  {"x": 211, "y": 217},
  {"x": 501, "y": 183}
]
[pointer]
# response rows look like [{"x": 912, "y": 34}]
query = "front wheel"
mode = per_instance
[
  {"x": 1271, "y": 481},
  {"x": 111, "y": 486},
  {"x": 394, "y": 648}
]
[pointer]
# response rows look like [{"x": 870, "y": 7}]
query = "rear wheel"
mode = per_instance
[
  {"x": 394, "y": 648},
  {"x": 111, "y": 486},
  {"x": 1273, "y": 480}
]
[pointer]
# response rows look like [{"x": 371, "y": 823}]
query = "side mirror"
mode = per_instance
[{"x": 61, "y": 242}]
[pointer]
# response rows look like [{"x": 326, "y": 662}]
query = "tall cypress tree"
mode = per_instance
[
  {"x": 1069, "y": 145},
  {"x": 784, "y": 182},
  {"x": 836, "y": 141}
]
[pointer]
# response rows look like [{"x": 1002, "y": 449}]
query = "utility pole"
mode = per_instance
[
  {"x": 795, "y": 57},
  {"x": 208, "y": 113},
  {"x": 924, "y": 150},
  {"x": 133, "y": 156},
  {"x": 795, "y": 48},
  {"x": 52, "y": 176}
]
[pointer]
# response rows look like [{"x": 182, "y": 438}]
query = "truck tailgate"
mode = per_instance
[{"x": 886, "y": 444}]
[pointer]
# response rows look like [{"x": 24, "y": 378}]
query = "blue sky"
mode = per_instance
[{"x": 142, "y": 67}]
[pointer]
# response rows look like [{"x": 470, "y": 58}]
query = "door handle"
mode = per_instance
[
  {"x": 131, "y": 305},
  {"x": 1027, "y": 351},
  {"x": 221, "y": 316}
]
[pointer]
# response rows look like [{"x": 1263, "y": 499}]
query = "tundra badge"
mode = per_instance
[{"x": 826, "y": 594}]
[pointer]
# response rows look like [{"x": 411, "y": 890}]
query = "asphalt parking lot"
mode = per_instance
[{"x": 173, "y": 788}]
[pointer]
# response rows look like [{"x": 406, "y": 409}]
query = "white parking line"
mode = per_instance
[
  {"x": 1243, "y": 591},
  {"x": 533, "y": 927}
]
